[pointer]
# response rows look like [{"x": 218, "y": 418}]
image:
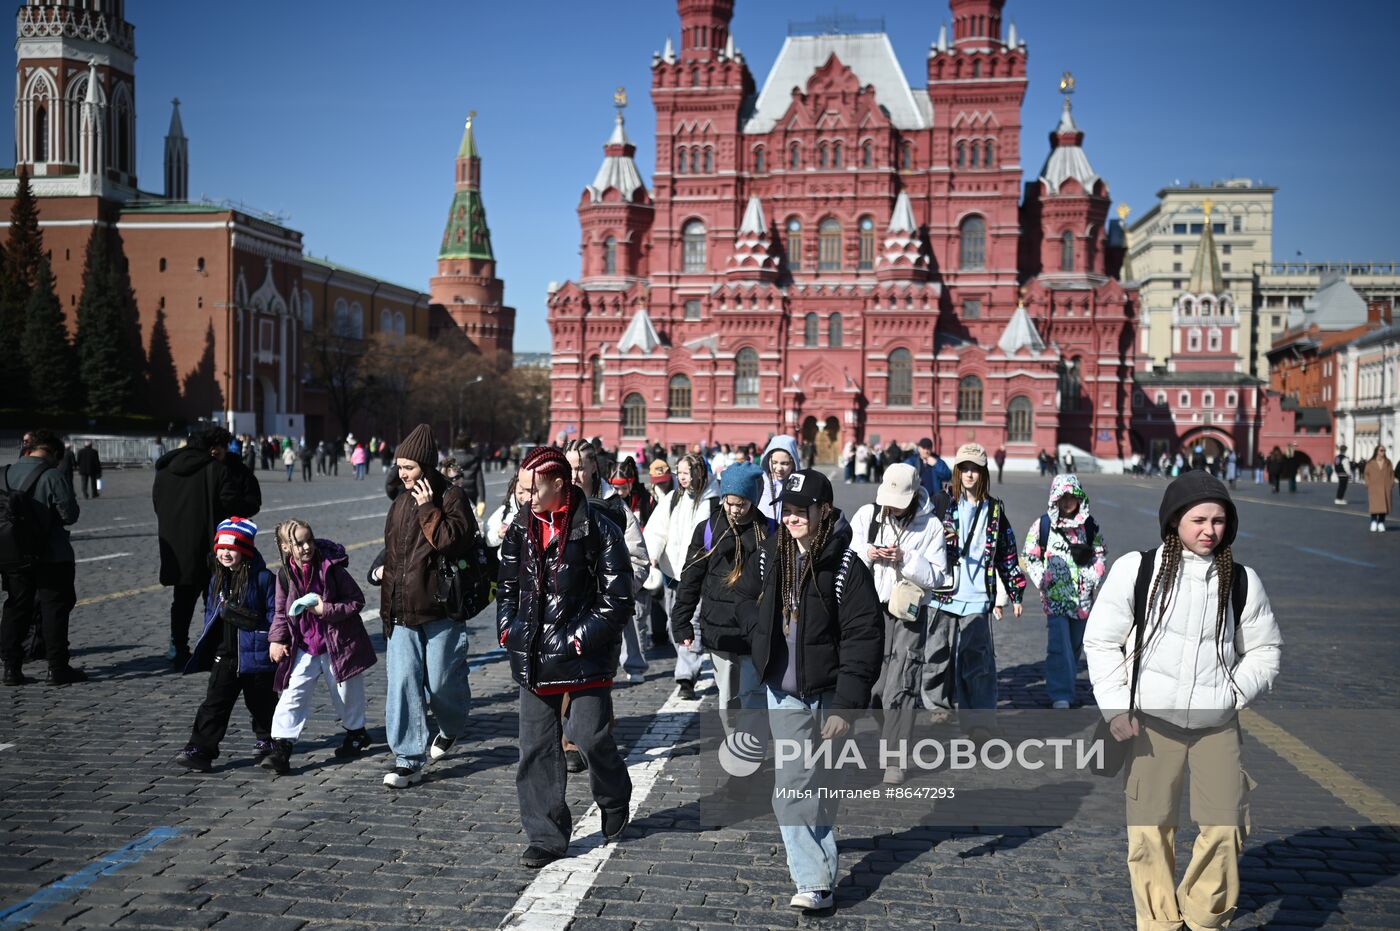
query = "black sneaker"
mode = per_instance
[
  {"x": 614, "y": 823},
  {"x": 179, "y": 658},
  {"x": 261, "y": 749},
  {"x": 353, "y": 745},
  {"x": 65, "y": 675},
  {"x": 574, "y": 761},
  {"x": 14, "y": 675},
  {"x": 537, "y": 857},
  {"x": 440, "y": 747},
  {"x": 195, "y": 758},
  {"x": 687, "y": 689},
  {"x": 280, "y": 759}
]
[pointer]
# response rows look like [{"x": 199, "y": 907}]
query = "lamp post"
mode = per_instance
[{"x": 461, "y": 403}]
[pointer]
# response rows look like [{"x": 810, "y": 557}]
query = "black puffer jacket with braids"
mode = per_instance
[
  {"x": 708, "y": 579},
  {"x": 840, "y": 645},
  {"x": 582, "y": 595}
]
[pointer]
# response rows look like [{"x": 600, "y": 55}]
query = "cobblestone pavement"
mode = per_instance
[{"x": 100, "y": 830}]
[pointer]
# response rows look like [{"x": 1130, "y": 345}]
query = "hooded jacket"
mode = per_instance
[
  {"x": 560, "y": 613},
  {"x": 923, "y": 553},
  {"x": 192, "y": 492},
  {"x": 672, "y": 526},
  {"x": 347, "y": 642},
  {"x": 704, "y": 584},
  {"x": 415, "y": 538},
  {"x": 768, "y": 500},
  {"x": 260, "y": 597},
  {"x": 631, "y": 535},
  {"x": 839, "y": 646},
  {"x": 1066, "y": 588}
]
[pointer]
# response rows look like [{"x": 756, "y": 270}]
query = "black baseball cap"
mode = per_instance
[{"x": 806, "y": 488}]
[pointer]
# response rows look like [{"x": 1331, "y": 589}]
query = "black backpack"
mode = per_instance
[
  {"x": 21, "y": 537},
  {"x": 467, "y": 576},
  {"x": 1082, "y": 553}
]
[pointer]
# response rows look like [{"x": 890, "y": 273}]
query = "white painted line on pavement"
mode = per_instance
[
  {"x": 1353, "y": 562},
  {"x": 364, "y": 516},
  {"x": 549, "y": 902},
  {"x": 99, "y": 558},
  {"x": 4, "y": 747}
]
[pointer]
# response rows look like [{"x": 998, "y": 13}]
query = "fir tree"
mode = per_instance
[
  {"x": 110, "y": 377},
  {"x": 163, "y": 382},
  {"x": 48, "y": 357},
  {"x": 23, "y": 253}
]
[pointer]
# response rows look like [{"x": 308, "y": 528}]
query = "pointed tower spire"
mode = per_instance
[
  {"x": 754, "y": 255},
  {"x": 1067, "y": 159},
  {"x": 1205, "y": 272},
  {"x": 92, "y": 147},
  {"x": 1021, "y": 333},
  {"x": 943, "y": 38},
  {"x": 903, "y": 255},
  {"x": 467, "y": 235},
  {"x": 669, "y": 54},
  {"x": 177, "y": 157},
  {"x": 1012, "y": 40},
  {"x": 619, "y": 169},
  {"x": 729, "y": 46}
]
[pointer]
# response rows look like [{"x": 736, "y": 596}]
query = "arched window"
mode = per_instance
[
  {"x": 357, "y": 321},
  {"x": 962, "y": 154},
  {"x": 809, "y": 331},
  {"x": 976, "y": 69},
  {"x": 1018, "y": 420},
  {"x": 709, "y": 160},
  {"x": 829, "y": 242},
  {"x": 795, "y": 156},
  {"x": 836, "y": 155},
  {"x": 693, "y": 247},
  {"x": 342, "y": 318},
  {"x": 794, "y": 244},
  {"x": 906, "y": 155},
  {"x": 746, "y": 378},
  {"x": 400, "y": 326},
  {"x": 975, "y": 154},
  {"x": 834, "y": 336},
  {"x": 678, "y": 397},
  {"x": 308, "y": 310},
  {"x": 972, "y": 237},
  {"x": 900, "y": 366},
  {"x": 867, "y": 243},
  {"x": 1067, "y": 252},
  {"x": 694, "y": 77},
  {"x": 1193, "y": 340},
  {"x": 1207, "y": 399},
  {"x": 595, "y": 374},
  {"x": 695, "y": 160},
  {"x": 1069, "y": 383},
  {"x": 821, "y": 155},
  {"x": 610, "y": 255},
  {"x": 680, "y": 160},
  {"x": 758, "y": 165},
  {"x": 386, "y": 321},
  {"x": 634, "y": 415},
  {"x": 970, "y": 398},
  {"x": 1213, "y": 340},
  {"x": 867, "y": 154},
  {"x": 41, "y": 134},
  {"x": 989, "y": 154}
]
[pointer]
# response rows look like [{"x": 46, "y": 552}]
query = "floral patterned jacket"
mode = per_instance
[
  {"x": 1066, "y": 588},
  {"x": 1000, "y": 556}
]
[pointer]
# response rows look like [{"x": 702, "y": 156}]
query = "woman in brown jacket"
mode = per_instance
[
  {"x": 1380, "y": 478},
  {"x": 429, "y": 520}
]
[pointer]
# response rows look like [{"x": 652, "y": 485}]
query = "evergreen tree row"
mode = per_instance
[{"x": 104, "y": 369}]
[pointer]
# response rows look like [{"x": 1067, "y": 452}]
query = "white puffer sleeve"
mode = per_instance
[
  {"x": 1258, "y": 644},
  {"x": 1106, "y": 636}
]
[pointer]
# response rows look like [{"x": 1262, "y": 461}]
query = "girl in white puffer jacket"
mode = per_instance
[{"x": 1197, "y": 668}]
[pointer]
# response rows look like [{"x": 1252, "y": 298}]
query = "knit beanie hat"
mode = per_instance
[
  {"x": 660, "y": 472},
  {"x": 236, "y": 533},
  {"x": 1194, "y": 487},
  {"x": 742, "y": 480},
  {"x": 420, "y": 446}
]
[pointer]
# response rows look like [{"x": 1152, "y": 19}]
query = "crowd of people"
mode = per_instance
[{"x": 806, "y": 613}]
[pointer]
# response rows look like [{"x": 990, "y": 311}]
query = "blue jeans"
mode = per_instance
[
  {"x": 805, "y": 823},
  {"x": 1064, "y": 644},
  {"x": 633, "y": 657},
  {"x": 963, "y": 661},
  {"x": 431, "y": 658}
]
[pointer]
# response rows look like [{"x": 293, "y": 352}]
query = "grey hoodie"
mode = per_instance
[{"x": 768, "y": 501}]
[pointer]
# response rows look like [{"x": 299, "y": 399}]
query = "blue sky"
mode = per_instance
[{"x": 347, "y": 115}]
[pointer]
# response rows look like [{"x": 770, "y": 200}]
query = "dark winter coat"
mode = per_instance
[
  {"x": 415, "y": 538},
  {"x": 55, "y": 506},
  {"x": 192, "y": 493},
  {"x": 583, "y": 597},
  {"x": 347, "y": 642},
  {"x": 839, "y": 647},
  {"x": 705, "y": 584},
  {"x": 89, "y": 463},
  {"x": 473, "y": 482},
  {"x": 260, "y": 596}
]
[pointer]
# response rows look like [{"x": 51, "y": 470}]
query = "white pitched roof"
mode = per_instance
[
  {"x": 753, "y": 218},
  {"x": 869, "y": 55},
  {"x": 1335, "y": 305},
  {"x": 617, "y": 171},
  {"x": 902, "y": 220},
  {"x": 1067, "y": 161},
  {"x": 640, "y": 334},
  {"x": 1020, "y": 334}
]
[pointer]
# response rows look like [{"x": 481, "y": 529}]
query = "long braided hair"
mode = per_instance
[
  {"x": 548, "y": 462},
  {"x": 736, "y": 531},
  {"x": 1164, "y": 584},
  {"x": 791, "y": 583}
]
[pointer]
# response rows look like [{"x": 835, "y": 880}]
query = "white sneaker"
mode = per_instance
[
  {"x": 813, "y": 901},
  {"x": 402, "y": 778},
  {"x": 1339, "y": 501},
  {"x": 1380, "y": 526},
  {"x": 632, "y": 678},
  {"x": 440, "y": 747},
  {"x": 894, "y": 776},
  {"x": 1059, "y": 705}
]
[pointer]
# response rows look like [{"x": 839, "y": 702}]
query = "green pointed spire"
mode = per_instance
[
  {"x": 1205, "y": 272},
  {"x": 467, "y": 235},
  {"x": 468, "y": 146}
]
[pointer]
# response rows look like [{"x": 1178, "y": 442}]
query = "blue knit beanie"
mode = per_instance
[{"x": 742, "y": 480}]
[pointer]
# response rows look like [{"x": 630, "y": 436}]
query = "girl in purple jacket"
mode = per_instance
[{"x": 316, "y": 632}]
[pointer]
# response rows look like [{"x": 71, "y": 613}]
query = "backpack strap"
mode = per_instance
[
  {"x": 874, "y": 532},
  {"x": 709, "y": 538},
  {"x": 1239, "y": 591},
  {"x": 1044, "y": 532}
]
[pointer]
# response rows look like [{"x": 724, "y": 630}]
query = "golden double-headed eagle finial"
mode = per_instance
[
  {"x": 1123, "y": 211},
  {"x": 1207, "y": 205},
  {"x": 620, "y": 97}
]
